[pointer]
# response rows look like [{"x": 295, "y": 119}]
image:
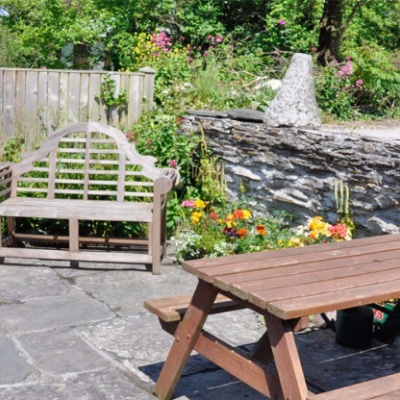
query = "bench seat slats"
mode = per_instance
[
  {"x": 80, "y": 209},
  {"x": 171, "y": 309},
  {"x": 382, "y": 388}
]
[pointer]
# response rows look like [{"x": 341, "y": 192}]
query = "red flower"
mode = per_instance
[
  {"x": 238, "y": 214},
  {"x": 261, "y": 230},
  {"x": 213, "y": 216}
]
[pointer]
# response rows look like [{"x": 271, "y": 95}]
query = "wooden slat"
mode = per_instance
[
  {"x": 42, "y": 100},
  {"x": 73, "y": 97},
  {"x": 94, "y": 89},
  {"x": 208, "y": 269},
  {"x": 226, "y": 282},
  {"x": 372, "y": 390},
  {"x": 330, "y": 301},
  {"x": 1, "y": 100},
  {"x": 81, "y": 209},
  {"x": 90, "y": 256},
  {"x": 295, "y": 292},
  {"x": 326, "y": 279},
  {"x": 172, "y": 308},
  {"x": 21, "y": 120},
  {"x": 83, "y": 140},
  {"x": 84, "y": 97},
  {"x": 9, "y": 102},
  {"x": 106, "y": 241},
  {"x": 63, "y": 97},
  {"x": 90, "y": 172},
  {"x": 53, "y": 116},
  {"x": 91, "y": 151}
]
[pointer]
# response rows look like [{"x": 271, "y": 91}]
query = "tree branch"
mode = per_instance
[{"x": 346, "y": 23}]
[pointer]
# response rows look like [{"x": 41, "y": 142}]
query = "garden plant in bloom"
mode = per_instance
[{"x": 211, "y": 232}]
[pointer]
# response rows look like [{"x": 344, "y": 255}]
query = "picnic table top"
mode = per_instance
[{"x": 292, "y": 283}]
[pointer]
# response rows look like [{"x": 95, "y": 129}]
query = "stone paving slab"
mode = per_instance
[
  {"x": 61, "y": 351},
  {"x": 96, "y": 385},
  {"x": 29, "y": 282},
  {"x": 72, "y": 309},
  {"x": 125, "y": 291},
  {"x": 13, "y": 366}
]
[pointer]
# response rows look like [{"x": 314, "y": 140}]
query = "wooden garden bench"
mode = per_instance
[{"x": 86, "y": 171}]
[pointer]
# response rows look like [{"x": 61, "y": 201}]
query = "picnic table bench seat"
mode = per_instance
[{"x": 86, "y": 171}]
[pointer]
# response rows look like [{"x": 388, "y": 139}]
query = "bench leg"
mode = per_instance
[
  {"x": 286, "y": 358},
  {"x": 74, "y": 235},
  {"x": 185, "y": 339},
  {"x": 155, "y": 243},
  {"x": 12, "y": 229}
]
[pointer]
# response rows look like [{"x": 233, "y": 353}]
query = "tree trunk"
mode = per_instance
[{"x": 330, "y": 31}]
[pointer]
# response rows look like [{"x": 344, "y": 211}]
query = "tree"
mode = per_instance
[{"x": 332, "y": 28}]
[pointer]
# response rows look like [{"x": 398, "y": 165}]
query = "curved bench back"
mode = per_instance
[{"x": 89, "y": 161}]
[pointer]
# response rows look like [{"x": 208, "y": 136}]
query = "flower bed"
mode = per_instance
[{"x": 211, "y": 232}]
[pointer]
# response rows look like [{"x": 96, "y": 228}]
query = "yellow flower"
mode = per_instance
[
  {"x": 199, "y": 204},
  {"x": 295, "y": 242},
  {"x": 246, "y": 214},
  {"x": 196, "y": 216}
]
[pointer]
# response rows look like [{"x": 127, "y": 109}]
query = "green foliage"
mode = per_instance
[{"x": 110, "y": 99}]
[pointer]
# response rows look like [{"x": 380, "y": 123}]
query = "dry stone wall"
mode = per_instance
[{"x": 295, "y": 169}]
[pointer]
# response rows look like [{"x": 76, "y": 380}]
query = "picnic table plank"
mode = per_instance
[
  {"x": 317, "y": 282},
  {"x": 384, "y": 388},
  {"x": 330, "y": 301},
  {"x": 280, "y": 258},
  {"x": 226, "y": 281},
  {"x": 195, "y": 265}
]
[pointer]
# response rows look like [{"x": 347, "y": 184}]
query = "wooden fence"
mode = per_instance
[{"x": 35, "y": 102}]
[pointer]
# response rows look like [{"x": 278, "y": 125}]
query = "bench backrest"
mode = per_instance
[{"x": 89, "y": 161}]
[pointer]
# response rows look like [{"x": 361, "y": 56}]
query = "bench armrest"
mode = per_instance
[
  {"x": 5, "y": 179},
  {"x": 172, "y": 174}
]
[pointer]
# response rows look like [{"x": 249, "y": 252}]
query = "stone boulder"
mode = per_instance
[{"x": 295, "y": 104}]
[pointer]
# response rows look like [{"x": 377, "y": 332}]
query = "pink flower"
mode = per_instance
[
  {"x": 359, "y": 83},
  {"x": 282, "y": 22},
  {"x": 209, "y": 38},
  {"x": 173, "y": 163},
  {"x": 187, "y": 203},
  {"x": 211, "y": 47},
  {"x": 198, "y": 48},
  {"x": 206, "y": 53},
  {"x": 190, "y": 60},
  {"x": 218, "y": 39},
  {"x": 314, "y": 49},
  {"x": 129, "y": 135}
]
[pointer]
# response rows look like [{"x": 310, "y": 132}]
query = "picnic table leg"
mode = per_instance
[
  {"x": 185, "y": 339},
  {"x": 286, "y": 358}
]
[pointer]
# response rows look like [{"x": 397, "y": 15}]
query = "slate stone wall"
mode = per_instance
[{"x": 295, "y": 169}]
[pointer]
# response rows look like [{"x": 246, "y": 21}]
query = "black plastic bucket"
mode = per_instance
[{"x": 354, "y": 327}]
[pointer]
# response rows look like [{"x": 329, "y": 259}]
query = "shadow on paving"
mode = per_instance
[{"x": 326, "y": 364}]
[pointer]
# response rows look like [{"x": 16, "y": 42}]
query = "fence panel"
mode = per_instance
[{"x": 35, "y": 102}]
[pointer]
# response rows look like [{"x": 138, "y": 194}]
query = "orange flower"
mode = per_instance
[
  {"x": 261, "y": 230},
  {"x": 241, "y": 232},
  {"x": 238, "y": 214}
]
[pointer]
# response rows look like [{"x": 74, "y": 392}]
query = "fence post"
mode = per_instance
[{"x": 149, "y": 74}]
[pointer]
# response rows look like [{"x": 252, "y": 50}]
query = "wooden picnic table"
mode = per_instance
[{"x": 284, "y": 286}]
